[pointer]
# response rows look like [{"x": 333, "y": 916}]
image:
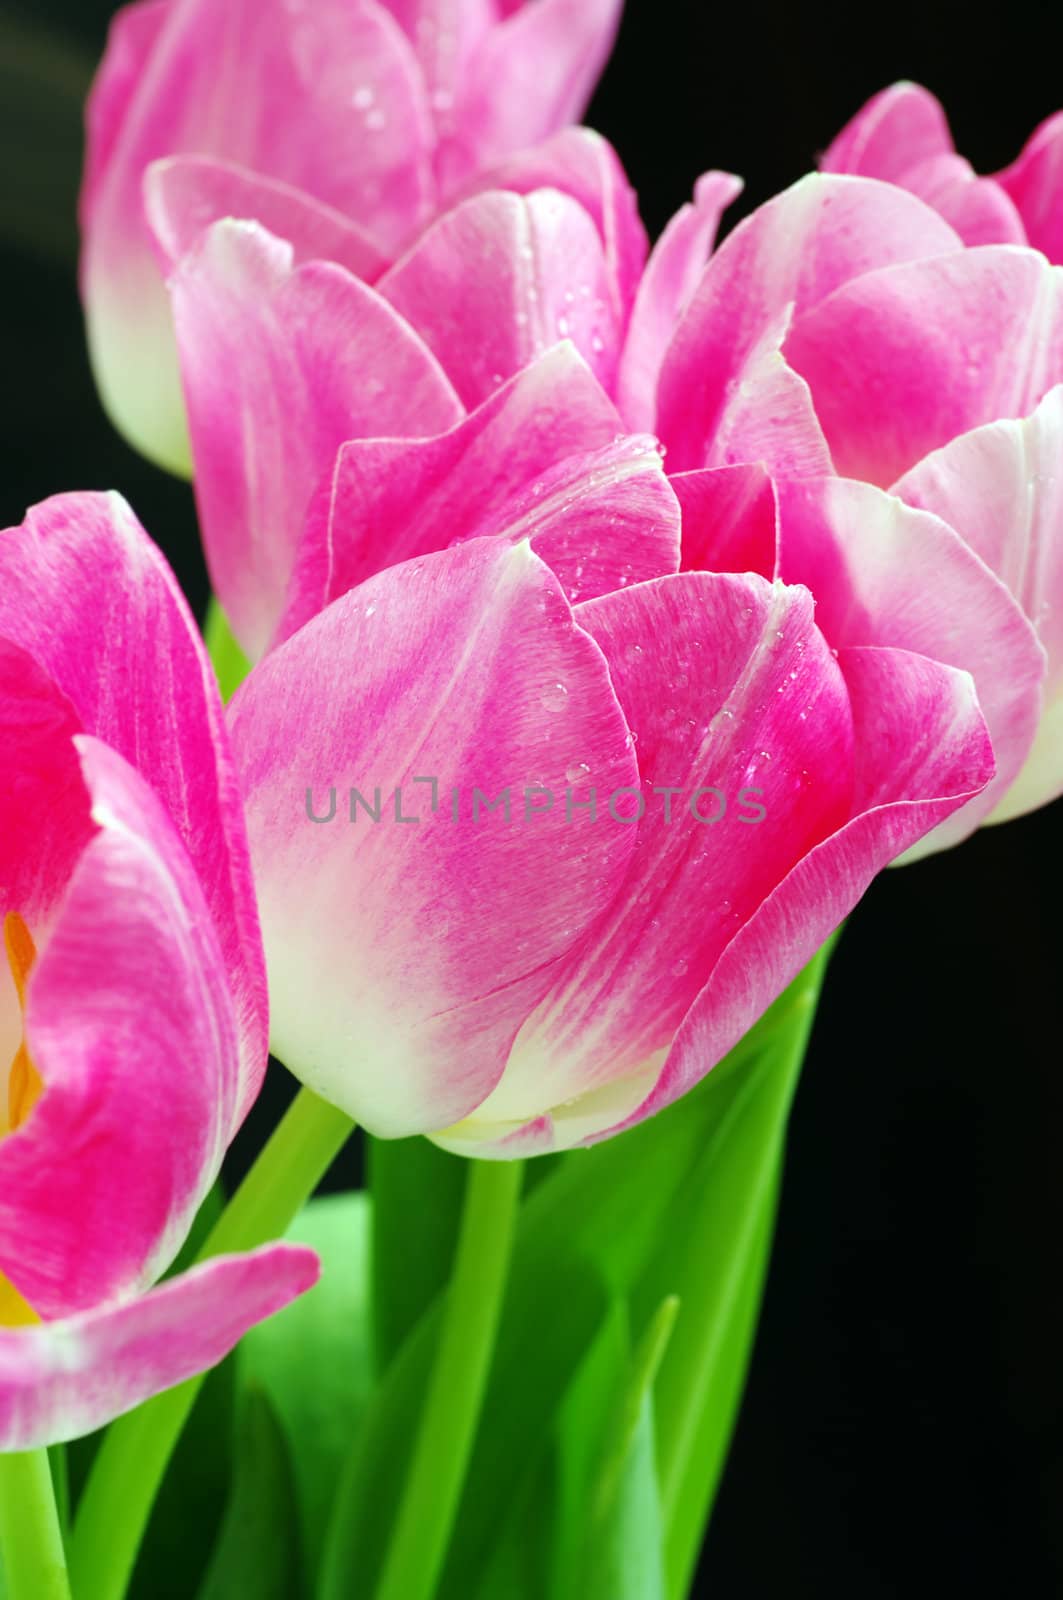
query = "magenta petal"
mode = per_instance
[
  {"x": 977, "y": 208},
  {"x": 404, "y": 955},
  {"x": 664, "y": 293},
  {"x": 902, "y": 360},
  {"x": 922, "y": 750},
  {"x": 1001, "y": 486},
  {"x": 130, "y": 1023},
  {"x": 791, "y": 253},
  {"x": 1035, "y": 184},
  {"x": 502, "y": 277},
  {"x": 130, "y": 660},
  {"x": 68, "y": 1378},
  {"x": 884, "y": 574},
  {"x": 898, "y": 129},
  {"x": 387, "y": 500},
  {"x": 730, "y": 520},
  {"x": 183, "y": 195},
  {"x": 280, "y": 367}
]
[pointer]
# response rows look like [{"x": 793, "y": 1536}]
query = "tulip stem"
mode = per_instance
[
  {"x": 31, "y": 1539},
  {"x": 456, "y": 1388},
  {"x": 136, "y": 1450}
]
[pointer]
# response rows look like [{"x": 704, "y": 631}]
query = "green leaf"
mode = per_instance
[
  {"x": 312, "y": 1360},
  {"x": 417, "y": 1192},
  {"x": 257, "y": 1552},
  {"x": 230, "y": 664}
]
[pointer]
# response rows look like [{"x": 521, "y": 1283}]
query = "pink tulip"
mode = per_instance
[
  {"x": 541, "y": 864},
  {"x": 348, "y": 123},
  {"x": 902, "y": 136},
  {"x": 286, "y": 357},
  {"x": 844, "y": 329},
  {"x": 132, "y": 995}
]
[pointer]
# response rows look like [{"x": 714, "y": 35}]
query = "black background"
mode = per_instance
[{"x": 903, "y": 1430}]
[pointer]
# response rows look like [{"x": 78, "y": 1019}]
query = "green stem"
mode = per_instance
[
  {"x": 132, "y": 1460},
  {"x": 31, "y": 1540},
  {"x": 456, "y": 1388}
]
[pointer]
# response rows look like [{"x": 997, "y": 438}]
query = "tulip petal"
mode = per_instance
[
  {"x": 977, "y": 208},
  {"x": 500, "y": 279},
  {"x": 677, "y": 262},
  {"x": 356, "y": 138},
  {"x": 64, "y": 1379},
  {"x": 281, "y": 365},
  {"x": 130, "y": 660},
  {"x": 1035, "y": 183},
  {"x": 885, "y": 574},
  {"x": 183, "y": 195},
  {"x": 580, "y": 163},
  {"x": 732, "y": 693},
  {"x": 902, "y": 360},
  {"x": 403, "y": 958},
  {"x": 99, "y": 1185},
  {"x": 898, "y": 129},
  {"x": 730, "y": 519},
  {"x": 1001, "y": 486},
  {"x": 792, "y": 252},
  {"x": 922, "y": 752},
  {"x": 388, "y": 500}
]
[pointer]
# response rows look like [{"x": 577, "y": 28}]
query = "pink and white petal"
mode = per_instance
[
  {"x": 730, "y": 520},
  {"x": 68, "y": 1378},
  {"x": 85, "y": 592},
  {"x": 768, "y": 417},
  {"x": 580, "y": 163},
  {"x": 131, "y": 38},
  {"x": 443, "y": 33},
  {"x": 404, "y": 958},
  {"x": 977, "y": 208},
  {"x": 885, "y": 574},
  {"x": 387, "y": 500},
  {"x": 732, "y": 693},
  {"x": 1035, "y": 184},
  {"x": 898, "y": 129},
  {"x": 533, "y": 74},
  {"x": 281, "y": 365},
  {"x": 677, "y": 262},
  {"x": 500, "y": 279},
  {"x": 1001, "y": 487},
  {"x": 902, "y": 360},
  {"x": 131, "y": 1025},
  {"x": 791, "y": 253},
  {"x": 183, "y": 195},
  {"x": 922, "y": 750},
  {"x": 362, "y": 150}
]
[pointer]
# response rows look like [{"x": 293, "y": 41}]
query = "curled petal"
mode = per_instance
[
  {"x": 280, "y": 366},
  {"x": 67, "y": 1378},
  {"x": 1035, "y": 184},
  {"x": 425, "y": 943},
  {"x": 898, "y": 129}
]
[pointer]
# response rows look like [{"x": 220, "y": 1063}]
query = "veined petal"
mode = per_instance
[
  {"x": 281, "y": 365},
  {"x": 500, "y": 279},
  {"x": 1002, "y": 488},
  {"x": 387, "y": 500},
  {"x": 64, "y": 1379},
  {"x": 902, "y": 360},
  {"x": 130, "y": 661},
  {"x": 183, "y": 195},
  {"x": 885, "y": 574},
  {"x": 404, "y": 956},
  {"x": 99, "y": 1185},
  {"x": 677, "y": 262},
  {"x": 730, "y": 518},
  {"x": 791, "y": 253}
]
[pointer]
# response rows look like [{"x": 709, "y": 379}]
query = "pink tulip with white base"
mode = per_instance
[
  {"x": 349, "y": 122},
  {"x": 132, "y": 996},
  {"x": 525, "y": 976}
]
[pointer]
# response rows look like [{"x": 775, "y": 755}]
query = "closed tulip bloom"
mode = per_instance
[
  {"x": 528, "y": 869},
  {"x": 342, "y": 124},
  {"x": 132, "y": 998}
]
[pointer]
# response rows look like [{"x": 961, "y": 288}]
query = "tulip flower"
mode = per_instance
[
  {"x": 904, "y": 391},
  {"x": 902, "y": 136},
  {"x": 346, "y": 122},
  {"x": 132, "y": 998},
  {"x": 542, "y": 865}
]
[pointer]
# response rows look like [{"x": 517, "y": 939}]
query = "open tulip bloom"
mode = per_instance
[{"x": 603, "y": 620}]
